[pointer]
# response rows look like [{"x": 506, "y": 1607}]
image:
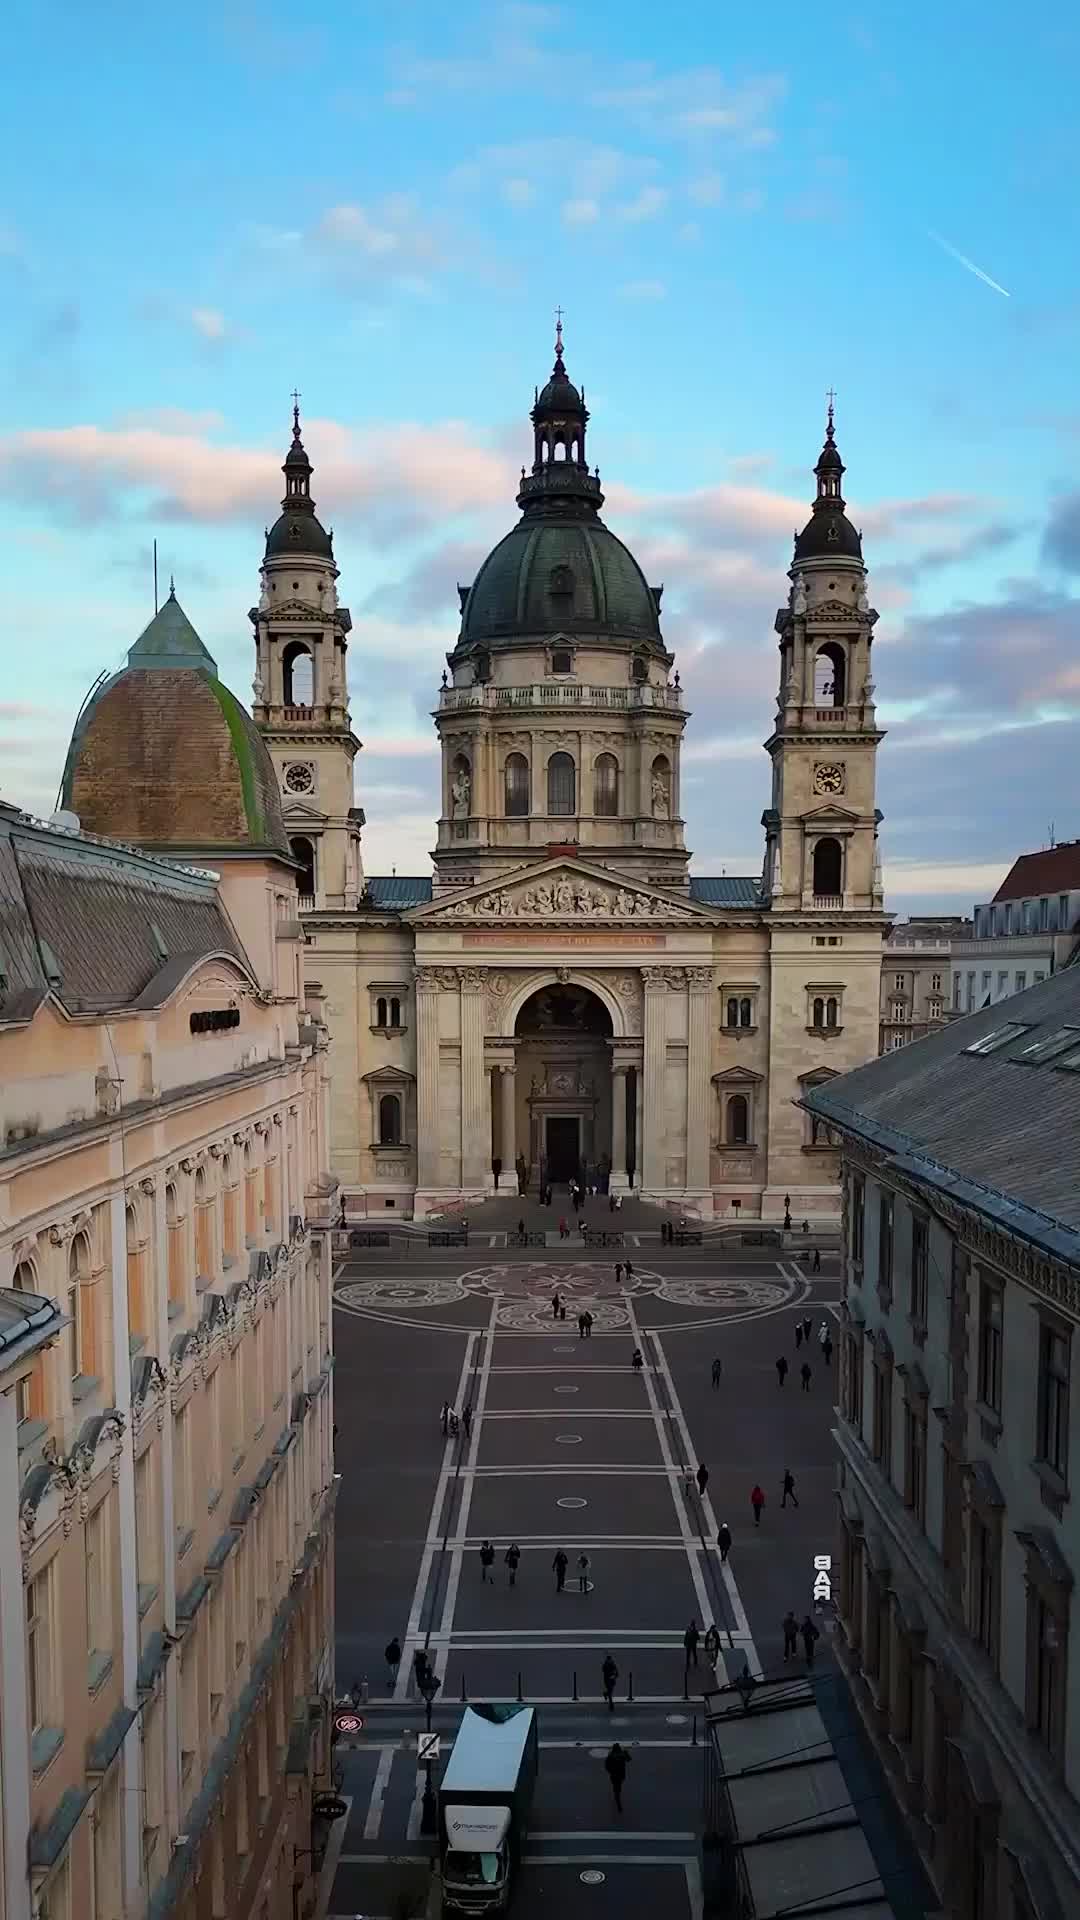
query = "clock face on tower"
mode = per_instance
[
  {"x": 828, "y": 779},
  {"x": 299, "y": 778}
]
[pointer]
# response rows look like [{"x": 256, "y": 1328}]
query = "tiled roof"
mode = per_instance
[
  {"x": 724, "y": 890},
  {"x": 101, "y": 925},
  {"x": 999, "y": 1131},
  {"x": 1054, "y": 870},
  {"x": 395, "y": 892}
]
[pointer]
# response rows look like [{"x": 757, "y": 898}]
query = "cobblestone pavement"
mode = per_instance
[{"x": 569, "y": 1447}]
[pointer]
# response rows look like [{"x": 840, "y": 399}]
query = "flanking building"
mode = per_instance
[
  {"x": 1025, "y": 933},
  {"x": 916, "y": 976},
  {"x": 958, "y": 1442},
  {"x": 167, "y": 1489}
]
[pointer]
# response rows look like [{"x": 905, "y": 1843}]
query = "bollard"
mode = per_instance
[
  {"x": 630, "y": 1685},
  {"x": 519, "y": 1687},
  {"x": 686, "y": 1681},
  {"x": 693, "y": 1732},
  {"x": 364, "y": 1690},
  {"x": 575, "y": 1695},
  {"x": 463, "y": 1689}
]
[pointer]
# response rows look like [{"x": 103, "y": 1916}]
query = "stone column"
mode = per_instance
[
  {"x": 618, "y": 1127},
  {"x": 508, "y": 1123},
  {"x": 475, "y": 1088},
  {"x": 698, "y": 1079},
  {"x": 652, "y": 1150},
  {"x": 427, "y": 1077}
]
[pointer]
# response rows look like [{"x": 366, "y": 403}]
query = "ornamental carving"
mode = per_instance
[
  {"x": 698, "y": 976},
  {"x": 435, "y": 979},
  {"x": 472, "y": 979},
  {"x": 568, "y": 898}
]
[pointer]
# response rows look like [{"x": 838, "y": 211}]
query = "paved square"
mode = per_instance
[
  {"x": 619, "y": 1503},
  {"x": 558, "y": 1439},
  {"x": 573, "y": 1387}
]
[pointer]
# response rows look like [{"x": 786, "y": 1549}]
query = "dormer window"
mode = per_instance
[{"x": 562, "y": 660}]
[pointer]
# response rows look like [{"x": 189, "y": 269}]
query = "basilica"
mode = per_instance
[{"x": 561, "y": 993}]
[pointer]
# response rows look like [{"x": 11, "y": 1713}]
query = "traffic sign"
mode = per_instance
[
  {"x": 427, "y": 1747},
  {"x": 329, "y": 1806},
  {"x": 348, "y": 1723}
]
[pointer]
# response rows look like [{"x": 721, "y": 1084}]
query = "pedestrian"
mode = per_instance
[
  {"x": 781, "y": 1369},
  {"x": 688, "y": 1485},
  {"x": 583, "y": 1565},
  {"x": 809, "y": 1635},
  {"x": 581, "y": 1326},
  {"x": 798, "y": 1333},
  {"x": 823, "y": 1333},
  {"x": 611, "y": 1673},
  {"x": 558, "y": 1568},
  {"x": 342, "y": 1221},
  {"x": 512, "y": 1557},
  {"x": 487, "y": 1560},
  {"x": 757, "y": 1501},
  {"x": 466, "y": 1420},
  {"x": 555, "y": 1304},
  {"x": 791, "y": 1635},
  {"x": 588, "y": 1324},
  {"x": 563, "y": 1228},
  {"x": 618, "y": 1273},
  {"x": 806, "y": 1376},
  {"x": 827, "y": 1349},
  {"x": 711, "y": 1644},
  {"x": 787, "y": 1213},
  {"x": 807, "y": 1329},
  {"x": 615, "y": 1767},
  {"x": 445, "y": 1417},
  {"x": 723, "y": 1541},
  {"x": 629, "y": 1272},
  {"x": 806, "y": 1229},
  {"x": 702, "y": 1479},
  {"x": 789, "y": 1488},
  {"x": 717, "y": 1370},
  {"x": 817, "y": 1260},
  {"x": 393, "y": 1658},
  {"x": 521, "y": 1231},
  {"x": 690, "y": 1643},
  {"x": 638, "y": 1360},
  {"x": 453, "y": 1424}
]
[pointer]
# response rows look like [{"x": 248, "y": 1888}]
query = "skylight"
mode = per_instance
[
  {"x": 1071, "y": 1061},
  {"x": 1045, "y": 1046},
  {"x": 998, "y": 1037}
]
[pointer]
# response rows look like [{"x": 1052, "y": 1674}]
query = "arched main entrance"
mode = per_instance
[{"x": 563, "y": 1060}]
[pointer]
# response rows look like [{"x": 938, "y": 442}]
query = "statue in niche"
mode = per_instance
[
  {"x": 862, "y": 602},
  {"x": 257, "y": 688},
  {"x": 660, "y": 795},
  {"x": 798, "y": 597},
  {"x": 539, "y": 1084},
  {"x": 460, "y": 794}
]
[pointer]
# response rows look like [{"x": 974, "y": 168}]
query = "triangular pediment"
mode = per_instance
[
  {"x": 561, "y": 890},
  {"x": 830, "y": 815},
  {"x": 831, "y": 610},
  {"x": 300, "y": 810}
]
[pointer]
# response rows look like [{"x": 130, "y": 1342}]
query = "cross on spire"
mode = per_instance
[
  {"x": 296, "y": 410},
  {"x": 831, "y": 399},
  {"x": 558, "y": 333}
]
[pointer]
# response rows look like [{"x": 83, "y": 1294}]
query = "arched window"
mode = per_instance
[
  {"x": 174, "y": 1245},
  {"x": 78, "y": 1271},
  {"x": 380, "y": 1011},
  {"x": 395, "y": 1012},
  {"x": 136, "y": 1288},
  {"x": 204, "y": 1227},
  {"x": 228, "y": 1192},
  {"x": 828, "y": 867},
  {"x": 29, "y": 1393},
  {"x": 516, "y": 786},
  {"x": 830, "y": 1011},
  {"x": 819, "y": 1013},
  {"x": 250, "y": 1208},
  {"x": 738, "y": 1120},
  {"x": 746, "y": 1013},
  {"x": 732, "y": 1013},
  {"x": 606, "y": 784},
  {"x": 303, "y": 853},
  {"x": 298, "y": 675},
  {"x": 830, "y": 676},
  {"x": 660, "y": 787},
  {"x": 562, "y": 784},
  {"x": 389, "y": 1120}
]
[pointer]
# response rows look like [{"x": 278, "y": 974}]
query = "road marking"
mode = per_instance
[
  {"x": 742, "y": 1624},
  {"x": 468, "y": 1477},
  {"x": 695, "y": 1893},
  {"x": 835, "y": 1311},
  {"x": 401, "y": 1687},
  {"x": 416, "y": 1811},
  {"x": 692, "y": 1559},
  {"x": 373, "y": 1823}
]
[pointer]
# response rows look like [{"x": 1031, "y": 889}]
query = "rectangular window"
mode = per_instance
[
  {"x": 971, "y": 993},
  {"x": 1036, "y": 978},
  {"x": 1053, "y": 1434},
  {"x": 987, "y": 976},
  {"x": 1063, "y": 912},
  {"x": 990, "y": 1343},
  {"x": 40, "y": 1652},
  {"x": 885, "y": 1244},
  {"x": 898, "y": 982},
  {"x": 146, "y": 1522},
  {"x": 915, "y": 1461},
  {"x": 1003, "y": 980},
  {"x": 919, "y": 1264},
  {"x": 1044, "y": 916},
  {"x": 97, "y": 1570},
  {"x": 858, "y": 1217},
  {"x": 1008, "y": 919},
  {"x": 881, "y": 1437},
  {"x": 935, "y": 983},
  {"x": 957, "y": 990},
  {"x": 182, "y": 1471},
  {"x": 1047, "y": 1706},
  {"x": 1021, "y": 982},
  {"x": 985, "y": 1563}
]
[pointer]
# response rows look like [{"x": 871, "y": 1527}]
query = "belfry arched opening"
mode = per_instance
[{"x": 563, "y": 1043}]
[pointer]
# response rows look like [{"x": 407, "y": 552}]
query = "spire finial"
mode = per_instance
[
  {"x": 831, "y": 399},
  {"x": 172, "y": 587},
  {"x": 558, "y": 336},
  {"x": 295, "y": 414}
]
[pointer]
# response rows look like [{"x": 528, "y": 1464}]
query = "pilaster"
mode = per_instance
[
  {"x": 698, "y": 1080},
  {"x": 654, "y": 1146},
  {"x": 475, "y": 1117},
  {"x": 427, "y": 1078}
]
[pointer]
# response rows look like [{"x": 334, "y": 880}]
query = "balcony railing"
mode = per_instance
[
  {"x": 560, "y": 693},
  {"x": 827, "y": 902},
  {"x": 305, "y": 902}
]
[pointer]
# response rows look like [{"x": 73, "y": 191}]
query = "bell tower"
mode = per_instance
[
  {"x": 301, "y": 698},
  {"x": 821, "y": 847}
]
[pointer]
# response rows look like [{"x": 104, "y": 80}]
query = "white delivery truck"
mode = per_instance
[{"x": 484, "y": 1802}]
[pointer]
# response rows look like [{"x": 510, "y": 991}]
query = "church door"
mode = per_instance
[{"x": 563, "y": 1147}]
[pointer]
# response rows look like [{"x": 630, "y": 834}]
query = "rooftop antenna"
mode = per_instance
[
  {"x": 155, "y": 577},
  {"x": 1053, "y": 842}
]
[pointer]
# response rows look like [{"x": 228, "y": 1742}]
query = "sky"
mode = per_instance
[{"x": 736, "y": 208}]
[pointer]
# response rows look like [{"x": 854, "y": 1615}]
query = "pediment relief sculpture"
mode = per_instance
[{"x": 566, "y": 896}]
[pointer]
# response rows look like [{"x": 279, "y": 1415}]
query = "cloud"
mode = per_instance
[
  {"x": 580, "y": 213},
  {"x": 389, "y": 237},
  {"x": 643, "y": 290},
  {"x": 210, "y": 324},
  {"x": 645, "y": 205},
  {"x": 1061, "y": 540},
  {"x": 694, "y": 102},
  {"x": 518, "y": 192},
  {"x": 708, "y": 190}
]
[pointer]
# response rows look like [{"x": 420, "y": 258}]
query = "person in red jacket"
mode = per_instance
[{"x": 757, "y": 1501}]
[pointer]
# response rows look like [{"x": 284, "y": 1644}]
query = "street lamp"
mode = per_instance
[{"x": 429, "y": 1686}]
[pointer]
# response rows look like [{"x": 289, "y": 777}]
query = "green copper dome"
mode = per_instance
[{"x": 556, "y": 576}]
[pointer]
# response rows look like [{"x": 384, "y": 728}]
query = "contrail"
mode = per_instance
[{"x": 969, "y": 264}]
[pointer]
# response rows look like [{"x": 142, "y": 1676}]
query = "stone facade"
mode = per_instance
[
  {"x": 166, "y": 1503},
  {"x": 916, "y": 977},
  {"x": 697, "y": 1011}
]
